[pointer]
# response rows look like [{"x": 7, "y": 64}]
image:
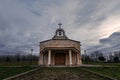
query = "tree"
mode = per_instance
[
  {"x": 96, "y": 54},
  {"x": 23, "y": 58},
  {"x": 17, "y": 56},
  {"x": 7, "y": 58},
  {"x": 101, "y": 58},
  {"x": 111, "y": 57},
  {"x": 116, "y": 59}
]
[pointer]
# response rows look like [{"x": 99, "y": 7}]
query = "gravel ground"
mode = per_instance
[{"x": 60, "y": 74}]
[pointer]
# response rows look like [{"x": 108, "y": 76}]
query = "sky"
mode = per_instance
[{"x": 24, "y": 23}]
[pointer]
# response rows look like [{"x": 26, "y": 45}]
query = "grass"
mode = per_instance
[
  {"x": 21, "y": 63},
  {"x": 10, "y": 71},
  {"x": 61, "y": 74},
  {"x": 113, "y": 72},
  {"x": 104, "y": 64},
  {"x": 109, "y": 69}
]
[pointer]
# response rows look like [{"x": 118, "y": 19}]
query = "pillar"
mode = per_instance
[
  {"x": 49, "y": 57},
  {"x": 78, "y": 59},
  {"x": 41, "y": 59},
  {"x": 70, "y": 57},
  {"x": 40, "y": 62}
]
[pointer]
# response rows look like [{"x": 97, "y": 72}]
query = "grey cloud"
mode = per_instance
[
  {"x": 113, "y": 39},
  {"x": 23, "y": 23},
  {"x": 107, "y": 45}
]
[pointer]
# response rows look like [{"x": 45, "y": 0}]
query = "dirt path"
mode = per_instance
[{"x": 60, "y": 74}]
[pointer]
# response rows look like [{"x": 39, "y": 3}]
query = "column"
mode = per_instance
[
  {"x": 70, "y": 57},
  {"x": 78, "y": 59},
  {"x": 41, "y": 59},
  {"x": 49, "y": 57}
]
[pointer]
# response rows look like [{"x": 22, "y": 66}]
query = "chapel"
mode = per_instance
[{"x": 60, "y": 50}]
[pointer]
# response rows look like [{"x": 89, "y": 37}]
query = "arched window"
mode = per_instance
[{"x": 60, "y": 33}]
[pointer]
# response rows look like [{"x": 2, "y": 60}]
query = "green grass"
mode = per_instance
[
  {"x": 10, "y": 71},
  {"x": 109, "y": 71},
  {"x": 113, "y": 72},
  {"x": 113, "y": 69},
  {"x": 104, "y": 64},
  {"x": 25, "y": 63},
  {"x": 12, "y": 68}
]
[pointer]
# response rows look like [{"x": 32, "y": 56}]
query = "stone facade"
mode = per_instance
[{"x": 60, "y": 50}]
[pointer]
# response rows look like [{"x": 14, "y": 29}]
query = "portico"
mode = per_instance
[{"x": 60, "y": 51}]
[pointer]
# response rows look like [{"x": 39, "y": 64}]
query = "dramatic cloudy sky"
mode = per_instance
[{"x": 24, "y": 23}]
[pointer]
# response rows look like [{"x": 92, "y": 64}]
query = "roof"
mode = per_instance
[
  {"x": 60, "y": 35},
  {"x": 59, "y": 39}
]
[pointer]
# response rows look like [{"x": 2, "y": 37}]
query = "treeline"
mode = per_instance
[
  {"x": 98, "y": 56},
  {"x": 18, "y": 58}
]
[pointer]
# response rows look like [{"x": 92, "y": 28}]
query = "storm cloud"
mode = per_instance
[
  {"x": 24, "y": 23},
  {"x": 112, "y": 43}
]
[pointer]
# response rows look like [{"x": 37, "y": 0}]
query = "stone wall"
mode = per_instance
[{"x": 59, "y": 43}]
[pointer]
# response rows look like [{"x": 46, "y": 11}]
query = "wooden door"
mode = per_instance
[{"x": 59, "y": 59}]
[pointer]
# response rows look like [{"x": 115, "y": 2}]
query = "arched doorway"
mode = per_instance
[{"x": 60, "y": 59}]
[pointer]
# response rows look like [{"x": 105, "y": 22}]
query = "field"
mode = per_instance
[
  {"x": 105, "y": 64},
  {"x": 10, "y": 71},
  {"x": 25, "y": 63},
  {"x": 113, "y": 72},
  {"x": 107, "y": 70},
  {"x": 66, "y": 73},
  {"x": 12, "y": 68}
]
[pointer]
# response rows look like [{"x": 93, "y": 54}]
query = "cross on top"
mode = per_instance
[{"x": 59, "y": 25}]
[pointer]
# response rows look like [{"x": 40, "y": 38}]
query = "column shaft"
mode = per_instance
[
  {"x": 49, "y": 57},
  {"x": 70, "y": 57},
  {"x": 78, "y": 59},
  {"x": 41, "y": 59}
]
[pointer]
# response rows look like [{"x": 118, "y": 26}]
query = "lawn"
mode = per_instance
[
  {"x": 10, "y": 71},
  {"x": 21, "y": 63},
  {"x": 109, "y": 69},
  {"x": 104, "y": 64},
  {"x": 67, "y": 73},
  {"x": 113, "y": 72},
  {"x": 74, "y": 73}
]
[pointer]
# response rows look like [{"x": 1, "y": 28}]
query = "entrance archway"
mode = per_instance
[{"x": 60, "y": 59}]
